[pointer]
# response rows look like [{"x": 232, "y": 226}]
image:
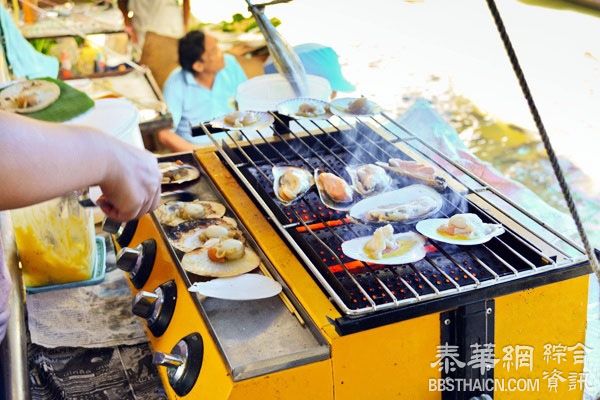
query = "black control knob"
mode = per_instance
[
  {"x": 123, "y": 233},
  {"x": 157, "y": 307},
  {"x": 138, "y": 262},
  {"x": 128, "y": 259},
  {"x": 112, "y": 226},
  {"x": 145, "y": 304},
  {"x": 183, "y": 363}
]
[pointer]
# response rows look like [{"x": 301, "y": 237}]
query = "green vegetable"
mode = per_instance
[
  {"x": 237, "y": 24},
  {"x": 42, "y": 45}
]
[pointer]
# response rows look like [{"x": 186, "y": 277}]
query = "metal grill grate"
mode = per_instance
[{"x": 317, "y": 232}]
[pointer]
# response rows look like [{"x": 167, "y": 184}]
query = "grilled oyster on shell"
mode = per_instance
[
  {"x": 334, "y": 192},
  {"x": 291, "y": 183},
  {"x": 405, "y": 212},
  {"x": 368, "y": 179},
  {"x": 406, "y": 205}
]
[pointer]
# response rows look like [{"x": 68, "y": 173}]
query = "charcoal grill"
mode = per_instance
[
  {"x": 370, "y": 294},
  {"x": 344, "y": 329}
]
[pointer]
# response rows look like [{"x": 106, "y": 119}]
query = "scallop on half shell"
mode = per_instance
[
  {"x": 192, "y": 235},
  {"x": 334, "y": 191},
  {"x": 177, "y": 172},
  {"x": 385, "y": 247},
  {"x": 368, "y": 179},
  {"x": 200, "y": 262},
  {"x": 174, "y": 213},
  {"x": 291, "y": 183}
]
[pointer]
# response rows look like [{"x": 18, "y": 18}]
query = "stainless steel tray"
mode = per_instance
[{"x": 254, "y": 337}]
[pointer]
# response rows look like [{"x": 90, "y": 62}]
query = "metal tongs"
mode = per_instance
[
  {"x": 88, "y": 199},
  {"x": 285, "y": 59}
]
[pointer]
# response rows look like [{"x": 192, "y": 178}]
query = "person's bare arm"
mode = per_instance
[
  {"x": 174, "y": 142},
  {"x": 42, "y": 160}
]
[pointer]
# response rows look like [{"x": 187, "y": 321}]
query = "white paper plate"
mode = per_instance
[
  {"x": 339, "y": 107},
  {"x": 399, "y": 196},
  {"x": 355, "y": 249},
  {"x": 429, "y": 228},
  {"x": 263, "y": 120},
  {"x": 290, "y": 108},
  {"x": 242, "y": 287}
]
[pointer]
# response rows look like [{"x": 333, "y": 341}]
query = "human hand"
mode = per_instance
[{"x": 131, "y": 187}]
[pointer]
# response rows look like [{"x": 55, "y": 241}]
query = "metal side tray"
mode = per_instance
[{"x": 255, "y": 337}]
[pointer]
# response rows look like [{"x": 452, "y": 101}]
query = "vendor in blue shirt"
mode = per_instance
[{"x": 202, "y": 89}]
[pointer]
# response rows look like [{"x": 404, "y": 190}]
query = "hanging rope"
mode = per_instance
[{"x": 544, "y": 135}]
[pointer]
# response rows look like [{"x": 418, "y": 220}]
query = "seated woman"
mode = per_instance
[{"x": 202, "y": 89}]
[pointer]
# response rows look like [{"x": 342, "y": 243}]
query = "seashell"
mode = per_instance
[
  {"x": 354, "y": 107},
  {"x": 468, "y": 225},
  {"x": 177, "y": 172},
  {"x": 190, "y": 236},
  {"x": 200, "y": 263},
  {"x": 460, "y": 229},
  {"x": 415, "y": 170},
  {"x": 240, "y": 119},
  {"x": 359, "y": 106},
  {"x": 405, "y": 205},
  {"x": 174, "y": 213},
  {"x": 385, "y": 247},
  {"x": 304, "y": 107},
  {"x": 243, "y": 120},
  {"x": 225, "y": 249},
  {"x": 368, "y": 179},
  {"x": 290, "y": 183},
  {"x": 334, "y": 191}
]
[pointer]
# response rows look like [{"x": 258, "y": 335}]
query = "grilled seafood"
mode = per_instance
[
  {"x": 221, "y": 258},
  {"x": 240, "y": 119},
  {"x": 291, "y": 183},
  {"x": 190, "y": 236},
  {"x": 177, "y": 172},
  {"x": 310, "y": 110},
  {"x": 386, "y": 247},
  {"x": 222, "y": 250},
  {"x": 384, "y": 244},
  {"x": 415, "y": 170},
  {"x": 359, "y": 106},
  {"x": 334, "y": 187},
  {"x": 368, "y": 178},
  {"x": 174, "y": 213},
  {"x": 403, "y": 212},
  {"x": 465, "y": 226},
  {"x": 29, "y": 96},
  {"x": 381, "y": 241}
]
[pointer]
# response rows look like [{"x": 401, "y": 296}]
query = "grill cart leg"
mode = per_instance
[{"x": 471, "y": 329}]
